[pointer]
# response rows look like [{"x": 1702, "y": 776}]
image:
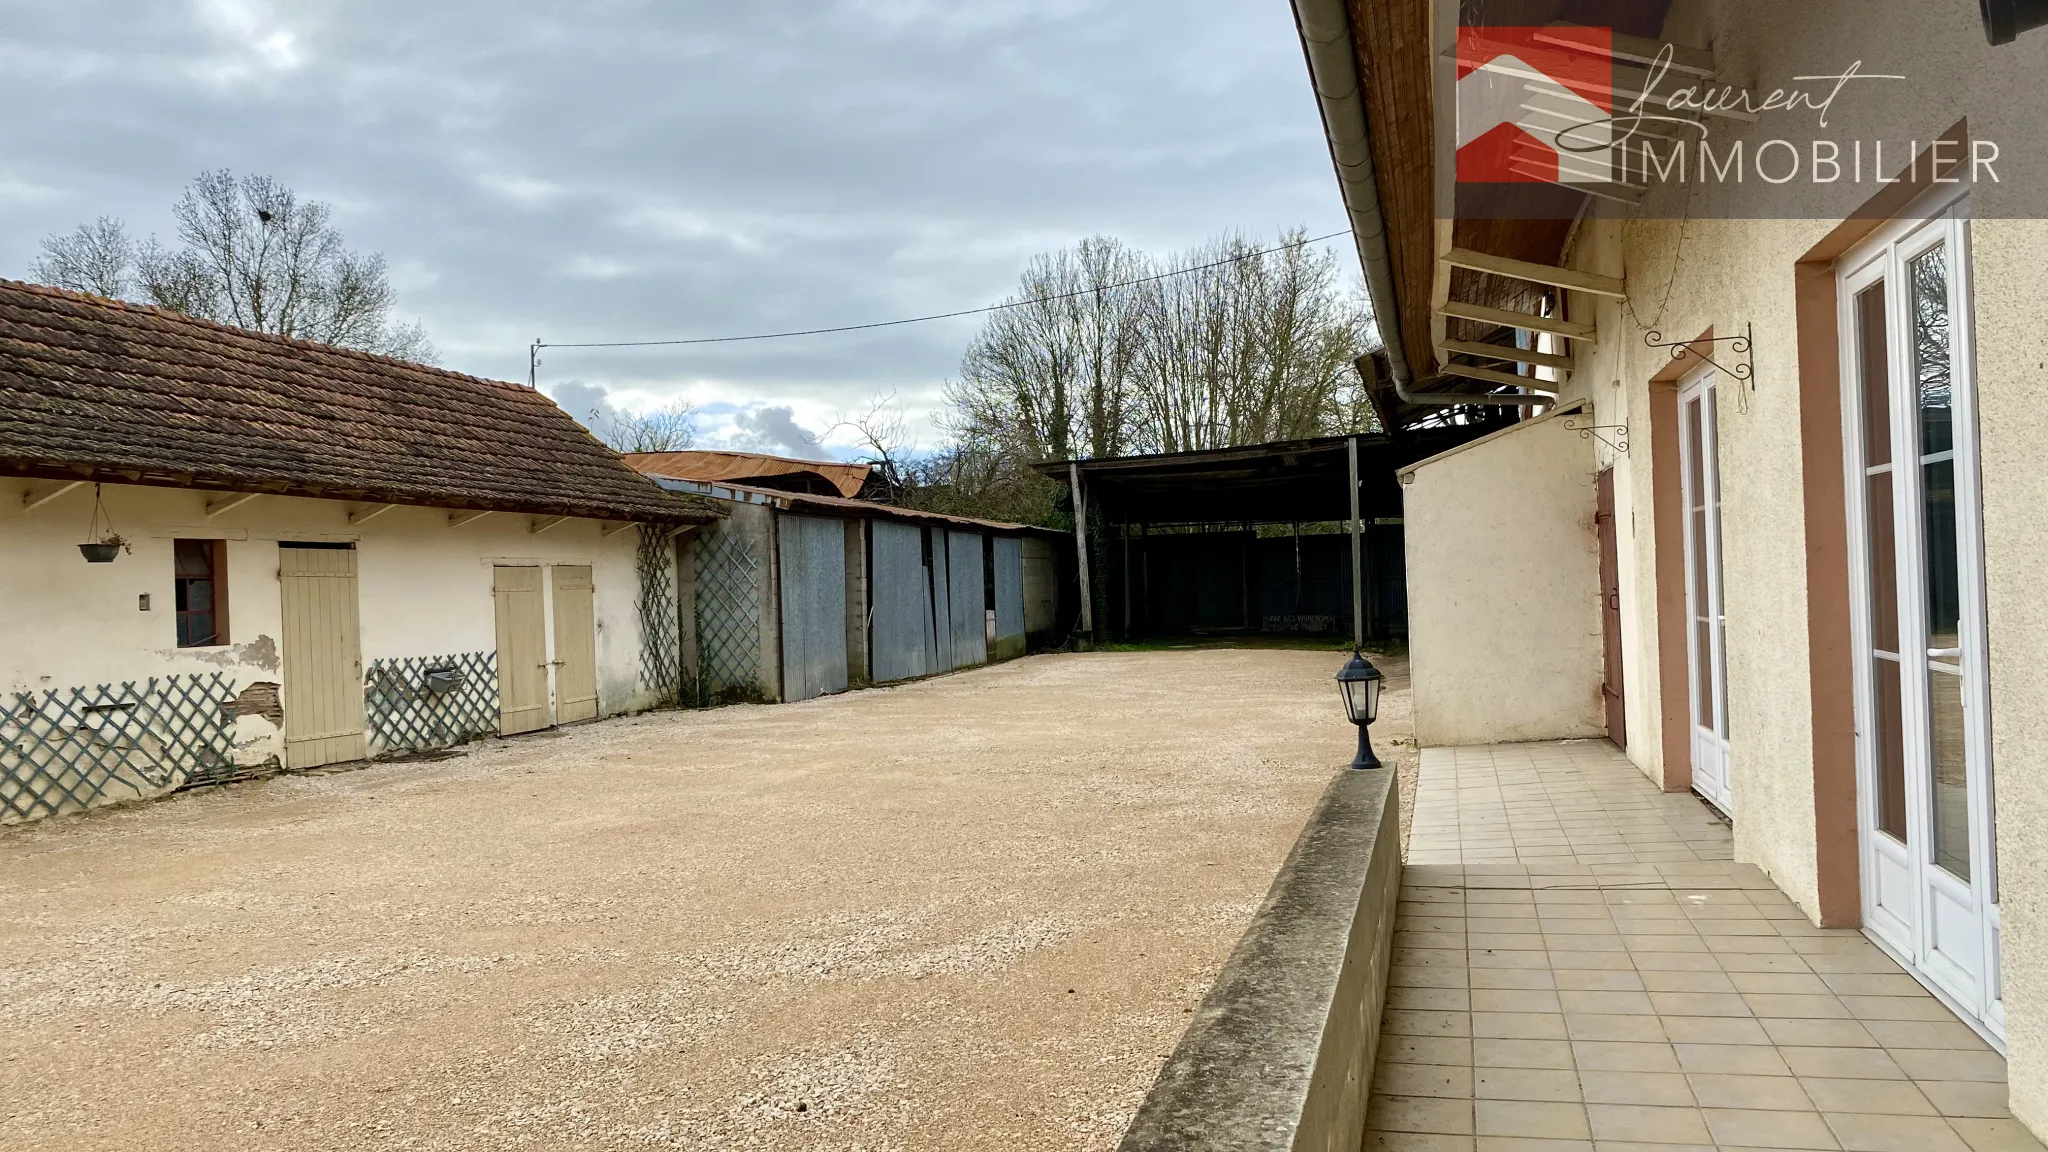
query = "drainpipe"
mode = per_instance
[{"x": 1325, "y": 27}]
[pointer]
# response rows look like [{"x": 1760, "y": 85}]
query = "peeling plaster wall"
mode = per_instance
[{"x": 423, "y": 587}]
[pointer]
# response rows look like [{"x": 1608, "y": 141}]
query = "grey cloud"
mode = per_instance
[
  {"x": 774, "y": 429},
  {"x": 663, "y": 168}
]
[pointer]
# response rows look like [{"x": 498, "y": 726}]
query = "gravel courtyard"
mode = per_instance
[{"x": 966, "y": 913}]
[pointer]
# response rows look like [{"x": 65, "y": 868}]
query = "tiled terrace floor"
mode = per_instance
[{"x": 1579, "y": 966}]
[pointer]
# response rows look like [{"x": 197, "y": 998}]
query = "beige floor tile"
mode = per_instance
[
  {"x": 1416, "y": 1142},
  {"x": 1731, "y": 1059},
  {"x": 1527, "y": 1118},
  {"x": 1761, "y": 1128},
  {"x": 1779, "y": 983},
  {"x": 1515, "y": 1000},
  {"x": 1995, "y": 1135},
  {"x": 1868, "y": 1132},
  {"x": 1426, "y": 1022},
  {"x": 1834, "y": 1094},
  {"x": 1624, "y": 1056},
  {"x": 1429, "y": 999},
  {"x": 1949, "y": 1033},
  {"x": 1752, "y": 962},
  {"x": 1419, "y": 1114},
  {"x": 1678, "y": 962},
  {"x": 1728, "y": 1090},
  {"x": 1502, "y": 978},
  {"x": 1606, "y": 1003},
  {"x": 1454, "y": 1050},
  {"x": 1820, "y": 1033},
  {"x": 1872, "y": 984},
  {"x": 1553, "y": 1084},
  {"x": 1896, "y": 1008},
  {"x": 1615, "y": 1122},
  {"x": 1443, "y": 1081},
  {"x": 1689, "y": 981},
  {"x": 1521, "y": 1054},
  {"x": 1851, "y": 1063},
  {"x": 1714, "y": 1030},
  {"x": 1592, "y": 1026},
  {"x": 1430, "y": 976},
  {"x": 1518, "y": 1026},
  {"x": 1966, "y": 1098},
  {"x": 1948, "y": 1064},
  {"x": 1566, "y": 958},
  {"x": 1668, "y": 1089},
  {"x": 1700, "y": 1004},
  {"x": 1791, "y": 1006},
  {"x": 1599, "y": 980}
]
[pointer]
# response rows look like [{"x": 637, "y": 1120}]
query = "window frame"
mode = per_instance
[{"x": 217, "y": 576}]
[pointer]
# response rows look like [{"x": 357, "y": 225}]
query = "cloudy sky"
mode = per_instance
[{"x": 619, "y": 170}]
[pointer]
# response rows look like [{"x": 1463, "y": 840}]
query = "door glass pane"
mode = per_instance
[
  {"x": 1944, "y": 576},
  {"x": 1703, "y": 674},
  {"x": 1876, "y": 366},
  {"x": 1951, "y": 803},
  {"x": 1884, "y": 565},
  {"x": 1889, "y": 747},
  {"x": 1929, "y": 273},
  {"x": 1700, "y": 606},
  {"x": 1696, "y": 486}
]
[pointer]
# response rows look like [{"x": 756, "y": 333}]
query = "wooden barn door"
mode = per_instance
[
  {"x": 522, "y": 650},
  {"x": 575, "y": 644},
  {"x": 1610, "y": 614},
  {"x": 323, "y": 657}
]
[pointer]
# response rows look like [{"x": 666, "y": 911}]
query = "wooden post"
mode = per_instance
[
  {"x": 1081, "y": 550},
  {"x": 1357, "y": 556}
]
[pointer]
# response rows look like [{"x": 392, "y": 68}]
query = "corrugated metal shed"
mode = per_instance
[
  {"x": 968, "y": 597},
  {"x": 813, "y": 554}
]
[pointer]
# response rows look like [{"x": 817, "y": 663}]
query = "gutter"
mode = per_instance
[{"x": 1326, "y": 40}]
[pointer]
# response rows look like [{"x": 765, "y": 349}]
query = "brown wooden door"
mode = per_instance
[{"x": 1610, "y": 613}]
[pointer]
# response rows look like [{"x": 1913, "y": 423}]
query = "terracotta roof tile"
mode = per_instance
[{"x": 96, "y": 388}]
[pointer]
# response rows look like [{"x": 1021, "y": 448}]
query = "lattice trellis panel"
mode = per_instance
[
  {"x": 65, "y": 749},
  {"x": 728, "y": 618},
  {"x": 661, "y": 656},
  {"x": 406, "y": 713}
]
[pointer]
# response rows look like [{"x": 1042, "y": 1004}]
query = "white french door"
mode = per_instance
[
  {"x": 1706, "y": 634},
  {"x": 1923, "y": 728}
]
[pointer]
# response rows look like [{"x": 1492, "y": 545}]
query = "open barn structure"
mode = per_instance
[{"x": 1298, "y": 536}]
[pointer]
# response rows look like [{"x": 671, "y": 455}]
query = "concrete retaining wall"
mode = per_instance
[{"x": 1280, "y": 1055}]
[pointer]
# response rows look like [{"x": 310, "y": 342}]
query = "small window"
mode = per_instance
[{"x": 202, "y": 593}]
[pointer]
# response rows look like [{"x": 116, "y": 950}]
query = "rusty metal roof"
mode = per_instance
[{"x": 740, "y": 467}]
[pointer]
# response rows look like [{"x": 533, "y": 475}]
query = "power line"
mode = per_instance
[{"x": 534, "y": 350}]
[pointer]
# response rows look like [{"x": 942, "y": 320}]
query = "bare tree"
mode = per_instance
[
  {"x": 1052, "y": 375},
  {"x": 666, "y": 429},
  {"x": 1244, "y": 346},
  {"x": 254, "y": 255},
  {"x": 97, "y": 258},
  {"x": 885, "y": 444},
  {"x": 1110, "y": 352}
]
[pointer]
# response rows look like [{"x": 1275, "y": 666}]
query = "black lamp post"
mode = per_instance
[{"x": 1360, "y": 683}]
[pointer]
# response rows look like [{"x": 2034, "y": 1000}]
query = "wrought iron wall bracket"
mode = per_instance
[
  {"x": 1743, "y": 369},
  {"x": 1618, "y": 442}
]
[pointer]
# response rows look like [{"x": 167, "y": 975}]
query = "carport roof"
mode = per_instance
[{"x": 1289, "y": 481}]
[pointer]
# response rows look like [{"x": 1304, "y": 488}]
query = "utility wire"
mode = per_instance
[{"x": 537, "y": 344}]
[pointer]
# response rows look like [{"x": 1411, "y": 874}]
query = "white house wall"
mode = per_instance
[
  {"x": 1685, "y": 277},
  {"x": 1503, "y": 571},
  {"x": 424, "y": 590}
]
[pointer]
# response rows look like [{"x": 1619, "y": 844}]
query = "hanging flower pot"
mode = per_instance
[{"x": 101, "y": 546}]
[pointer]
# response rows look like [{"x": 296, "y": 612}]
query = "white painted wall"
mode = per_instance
[
  {"x": 424, "y": 589},
  {"x": 1503, "y": 589}
]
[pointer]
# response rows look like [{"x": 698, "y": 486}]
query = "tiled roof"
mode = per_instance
[
  {"x": 700, "y": 464},
  {"x": 93, "y": 388}
]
